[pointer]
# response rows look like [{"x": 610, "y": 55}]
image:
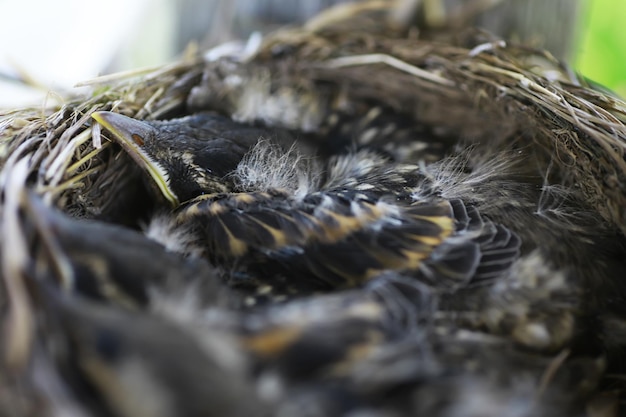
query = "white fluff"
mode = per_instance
[
  {"x": 269, "y": 167},
  {"x": 344, "y": 170},
  {"x": 451, "y": 178},
  {"x": 174, "y": 237}
]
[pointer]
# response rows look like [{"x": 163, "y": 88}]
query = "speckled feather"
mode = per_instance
[{"x": 336, "y": 239}]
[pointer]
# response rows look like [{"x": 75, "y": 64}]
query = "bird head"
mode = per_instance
[{"x": 184, "y": 157}]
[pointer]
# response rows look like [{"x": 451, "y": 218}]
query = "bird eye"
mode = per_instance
[{"x": 137, "y": 139}]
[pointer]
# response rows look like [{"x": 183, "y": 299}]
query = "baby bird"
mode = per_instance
[{"x": 286, "y": 224}]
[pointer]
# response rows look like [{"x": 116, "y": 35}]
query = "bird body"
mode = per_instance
[{"x": 331, "y": 221}]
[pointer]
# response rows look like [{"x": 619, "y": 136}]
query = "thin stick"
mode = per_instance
[{"x": 369, "y": 59}]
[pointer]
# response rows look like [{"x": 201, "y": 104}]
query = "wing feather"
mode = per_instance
[{"x": 335, "y": 239}]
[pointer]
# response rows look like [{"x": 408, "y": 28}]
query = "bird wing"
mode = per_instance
[
  {"x": 335, "y": 239},
  {"x": 478, "y": 252}
]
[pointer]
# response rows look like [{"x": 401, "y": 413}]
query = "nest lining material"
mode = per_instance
[{"x": 477, "y": 88}]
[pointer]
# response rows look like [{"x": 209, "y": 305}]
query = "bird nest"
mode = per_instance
[{"x": 478, "y": 90}]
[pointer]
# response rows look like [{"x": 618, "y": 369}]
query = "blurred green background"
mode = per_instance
[{"x": 601, "y": 52}]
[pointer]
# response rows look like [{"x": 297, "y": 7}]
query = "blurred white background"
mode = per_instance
[
  {"x": 56, "y": 44},
  {"x": 48, "y": 46}
]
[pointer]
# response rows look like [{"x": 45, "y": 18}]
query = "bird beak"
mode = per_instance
[{"x": 131, "y": 134}]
